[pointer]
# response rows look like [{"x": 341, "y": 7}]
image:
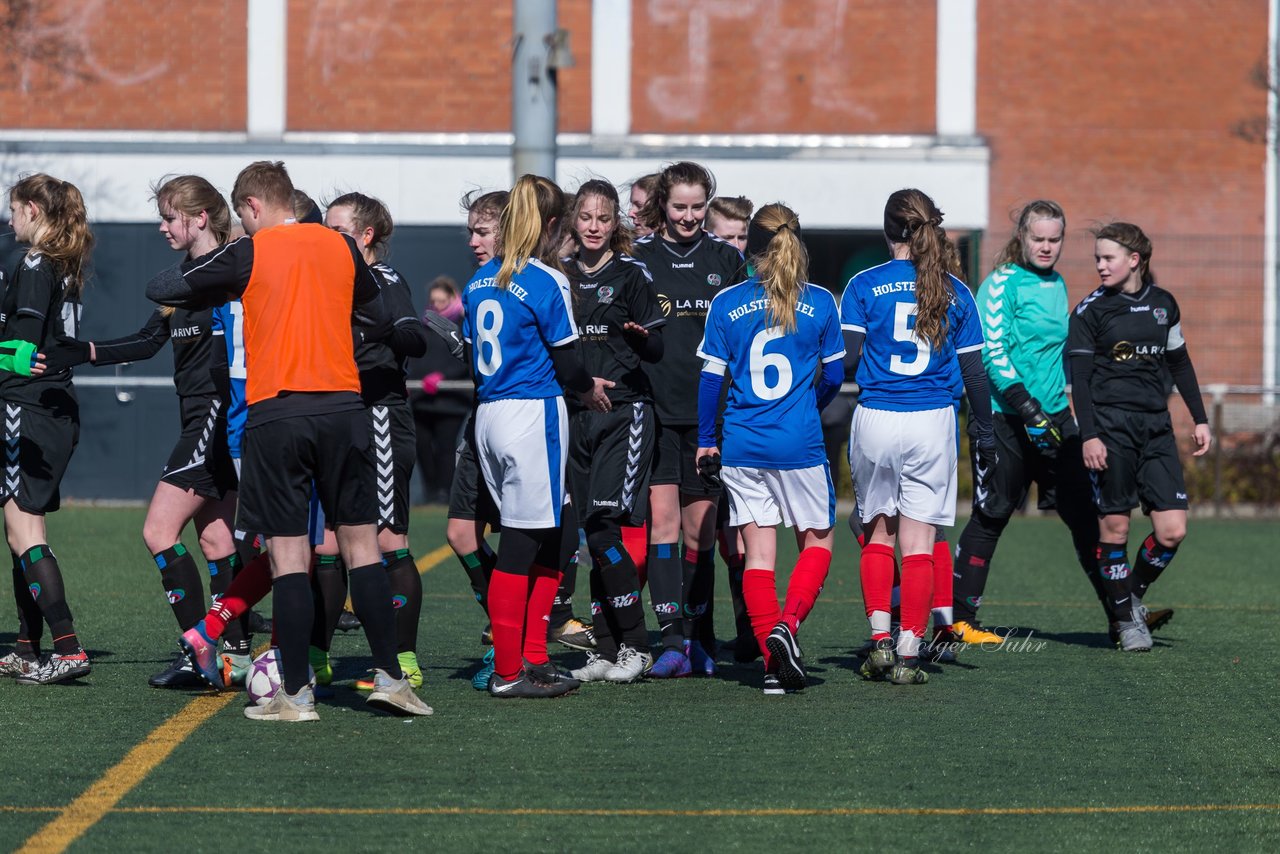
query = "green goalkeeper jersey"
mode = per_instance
[{"x": 1024, "y": 319}]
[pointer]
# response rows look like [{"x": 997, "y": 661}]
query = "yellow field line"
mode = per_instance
[
  {"x": 100, "y": 798},
  {"x": 833, "y": 812}
]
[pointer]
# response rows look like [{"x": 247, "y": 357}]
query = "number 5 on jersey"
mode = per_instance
[{"x": 902, "y": 331}]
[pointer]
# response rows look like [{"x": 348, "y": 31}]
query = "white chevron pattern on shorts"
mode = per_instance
[
  {"x": 12, "y": 438},
  {"x": 384, "y": 464},
  {"x": 635, "y": 441}
]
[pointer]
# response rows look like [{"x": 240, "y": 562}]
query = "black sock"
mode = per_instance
[
  {"x": 1113, "y": 568},
  {"x": 292, "y": 616},
  {"x": 182, "y": 584},
  {"x": 406, "y": 597},
  {"x": 737, "y": 564},
  {"x": 44, "y": 581},
  {"x": 1153, "y": 558},
  {"x": 247, "y": 547},
  {"x": 604, "y": 626},
  {"x": 371, "y": 599},
  {"x": 562, "y": 605},
  {"x": 700, "y": 599},
  {"x": 30, "y": 622},
  {"x": 620, "y": 586},
  {"x": 235, "y": 637},
  {"x": 666, "y": 592},
  {"x": 329, "y": 597},
  {"x": 972, "y": 565},
  {"x": 478, "y": 566}
]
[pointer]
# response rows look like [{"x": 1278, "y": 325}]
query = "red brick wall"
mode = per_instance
[
  {"x": 418, "y": 65},
  {"x": 765, "y": 66},
  {"x": 126, "y": 64},
  {"x": 1127, "y": 113}
]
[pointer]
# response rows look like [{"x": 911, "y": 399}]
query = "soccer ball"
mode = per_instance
[{"x": 263, "y": 679}]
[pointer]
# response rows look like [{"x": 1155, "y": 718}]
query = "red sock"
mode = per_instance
[
  {"x": 876, "y": 570},
  {"x": 805, "y": 585},
  {"x": 636, "y": 542},
  {"x": 542, "y": 586},
  {"x": 760, "y": 593},
  {"x": 250, "y": 586},
  {"x": 942, "y": 580},
  {"x": 508, "y": 598},
  {"x": 917, "y": 591}
]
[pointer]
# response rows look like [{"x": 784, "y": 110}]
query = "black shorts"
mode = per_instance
[
  {"x": 469, "y": 496},
  {"x": 674, "y": 463},
  {"x": 395, "y": 450},
  {"x": 37, "y": 448},
  {"x": 1142, "y": 463},
  {"x": 610, "y": 461},
  {"x": 284, "y": 457},
  {"x": 1021, "y": 464},
  {"x": 200, "y": 460}
]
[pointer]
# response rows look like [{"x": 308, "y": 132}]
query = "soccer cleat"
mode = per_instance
[
  {"x": 203, "y": 654},
  {"x": 258, "y": 624},
  {"x": 348, "y": 622},
  {"x": 594, "y": 670},
  {"x": 59, "y": 668},
  {"x": 701, "y": 662},
  {"x": 319, "y": 661},
  {"x": 967, "y": 632},
  {"x": 180, "y": 674},
  {"x": 786, "y": 656},
  {"x": 525, "y": 687},
  {"x": 550, "y": 674},
  {"x": 395, "y": 696},
  {"x": 486, "y": 634},
  {"x": 631, "y": 665},
  {"x": 481, "y": 680},
  {"x": 772, "y": 686},
  {"x": 943, "y": 649},
  {"x": 574, "y": 634},
  {"x": 907, "y": 674},
  {"x": 286, "y": 708},
  {"x": 15, "y": 665},
  {"x": 1155, "y": 619},
  {"x": 408, "y": 665},
  {"x": 1133, "y": 633},
  {"x": 880, "y": 660},
  {"x": 235, "y": 667},
  {"x": 745, "y": 648},
  {"x": 672, "y": 664}
]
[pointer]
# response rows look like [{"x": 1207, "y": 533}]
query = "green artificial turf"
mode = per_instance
[{"x": 1060, "y": 733}]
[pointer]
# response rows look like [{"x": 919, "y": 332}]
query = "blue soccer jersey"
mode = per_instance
[
  {"x": 771, "y": 417},
  {"x": 511, "y": 329},
  {"x": 899, "y": 371},
  {"x": 228, "y": 323}
]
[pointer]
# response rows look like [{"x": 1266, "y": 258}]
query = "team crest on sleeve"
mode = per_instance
[
  {"x": 1161, "y": 316},
  {"x": 713, "y": 279},
  {"x": 605, "y": 294}
]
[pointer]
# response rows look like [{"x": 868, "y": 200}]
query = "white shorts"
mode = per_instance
[
  {"x": 904, "y": 463},
  {"x": 520, "y": 445},
  {"x": 799, "y": 498}
]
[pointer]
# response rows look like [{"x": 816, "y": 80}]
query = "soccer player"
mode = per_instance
[
  {"x": 772, "y": 333},
  {"x": 643, "y": 218},
  {"x": 382, "y": 385},
  {"x": 611, "y": 453},
  {"x": 1125, "y": 343},
  {"x": 299, "y": 284},
  {"x": 1025, "y": 326},
  {"x": 41, "y": 303},
  {"x": 198, "y": 482},
  {"x": 727, "y": 218},
  {"x": 910, "y": 325},
  {"x": 519, "y": 325},
  {"x": 439, "y": 413},
  {"x": 688, "y": 266}
]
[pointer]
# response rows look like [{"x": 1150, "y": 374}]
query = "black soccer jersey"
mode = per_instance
[
  {"x": 619, "y": 292},
  {"x": 1128, "y": 336},
  {"x": 193, "y": 348},
  {"x": 685, "y": 278},
  {"x": 37, "y": 307},
  {"x": 382, "y": 362}
]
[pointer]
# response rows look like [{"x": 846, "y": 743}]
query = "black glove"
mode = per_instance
[
  {"x": 709, "y": 470},
  {"x": 65, "y": 353},
  {"x": 446, "y": 329},
  {"x": 982, "y": 446},
  {"x": 1043, "y": 433}
]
